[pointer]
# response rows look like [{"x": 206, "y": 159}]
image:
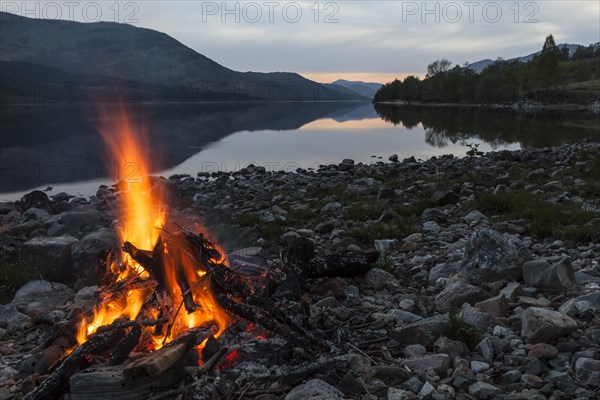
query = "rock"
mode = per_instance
[
  {"x": 491, "y": 256},
  {"x": 484, "y": 391},
  {"x": 587, "y": 371},
  {"x": 415, "y": 350},
  {"x": 434, "y": 214},
  {"x": 393, "y": 158},
  {"x": 333, "y": 209},
  {"x": 451, "y": 347},
  {"x": 479, "y": 319},
  {"x": 314, "y": 389},
  {"x": 536, "y": 175},
  {"x": 386, "y": 246},
  {"x": 445, "y": 198},
  {"x": 511, "y": 376},
  {"x": 549, "y": 273},
  {"x": 352, "y": 248},
  {"x": 456, "y": 294},
  {"x": 479, "y": 366},
  {"x": 474, "y": 216},
  {"x": 390, "y": 375},
  {"x": 511, "y": 291},
  {"x": 542, "y": 351},
  {"x": 37, "y": 199},
  {"x": 496, "y": 306},
  {"x": 358, "y": 363},
  {"x": 399, "y": 394},
  {"x": 88, "y": 253},
  {"x": 425, "y": 331},
  {"x": 80, "y": 221},
  {"x": 51, "y": 256},
  {"x": 378, "y": 279},
  {"x": 581, "y": 304},
  {"x": 327, "y": 226},
  {"x": 431, "y": 226},
  {"x": 427, "y": 392},
  {"x": 34, "y": 214},
  {"x": 543, "y": 325},
  {"x": 443, "y": 270},
  {"x": 413, "y": 384}
]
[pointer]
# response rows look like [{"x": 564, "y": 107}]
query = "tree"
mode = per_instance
[
  {"x": 549, "y": 44},
  {"x": 438, "y": 67}
]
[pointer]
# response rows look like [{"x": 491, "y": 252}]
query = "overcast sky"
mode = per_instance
[{"x": 352, "y": 39}]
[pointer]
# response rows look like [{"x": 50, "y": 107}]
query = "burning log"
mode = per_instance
[
  {"x": 55, "y": 384},
  {"x": 158, "y": 361}
]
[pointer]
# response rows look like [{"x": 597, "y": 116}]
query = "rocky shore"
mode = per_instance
[{"x": 487, "y": 285}]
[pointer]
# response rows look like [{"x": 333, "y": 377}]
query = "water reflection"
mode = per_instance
[{"x": 60, "y": 146}]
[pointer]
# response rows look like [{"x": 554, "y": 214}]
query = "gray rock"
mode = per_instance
[
  {"x": 581, "y": 304},
  {"x": 456, "y": 294},
  {"x": 587, "y": 371},
  {"x": 443, "y": 270},
  {"x": 413, "y": 384},
  {"x": 431, "y": 226},
  {"x": 445, "y": 198},
  {"x": 474, "y": 216},
  {"x": 386, "y": 246},
  {"x": 399, "y": 394},
  {"x": 425, "y": 331},
  {"x": 415, "y": 350},
  {"x": 358, "y": 363},
  {"x": 427, "y": 392},
  {"x": 543, "y": 325},
  {"x": 378, "y": 279},
  {"x": 480, "y": 319},
  {"x": 91, "y": 248},
  {"x": 314, "y": 389},
  {"x": 333, "y": 209},
  {"x": 484, "y": 391},
  {"x": 51, "y": 256},
  {"x": 492, "y": 256},
  {"x": 549, "y": 273},
  {"x": 80, "y": 221},
  {"x": 434, "y": 214},
  {"x": 496, "y": 306},
  {"x": 536, "y": 175},
  {"x": 451, "y": 347},
  {"x": 479, "y": 366}
]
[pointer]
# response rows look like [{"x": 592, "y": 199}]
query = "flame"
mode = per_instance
[{"x": 142, "y": 214}]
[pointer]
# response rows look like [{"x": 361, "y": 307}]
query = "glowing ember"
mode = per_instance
[{"x": 142, "y": 215}]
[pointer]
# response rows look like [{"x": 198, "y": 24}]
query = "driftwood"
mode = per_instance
[{"x": 56, "y": 383}]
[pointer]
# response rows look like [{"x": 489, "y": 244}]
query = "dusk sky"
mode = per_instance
[{"x": 366, "y": 40}]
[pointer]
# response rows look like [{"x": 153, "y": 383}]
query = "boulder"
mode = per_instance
[
  {"x": 587, "y": 371},
  {"x": 314, "y": 389},
  {"x": 37, "y": 199},
  {"x": 549, "y": 273},
  {"x": 479, "y": 319},
  {"x": 492, "y": 256},
  {"x": 437, "y": 362},
  {"x": 474, "y": 216},
  {"x": 425, "y": 331},
  {"x": 543, "y": 325},
  {"x": 496, "y": 306},
  {"x": 51, "y": 256},
  {"x": 456, "y": 294},
  {"x": 378, "y": 279},
  {"x": 484, "y": 391},
  {"x": 88, "y": 253}
]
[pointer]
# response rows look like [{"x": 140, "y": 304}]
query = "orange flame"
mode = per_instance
[{"x": 141, "y": 215}]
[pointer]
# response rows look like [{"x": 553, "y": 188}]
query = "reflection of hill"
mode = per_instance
[
  {"x": 497, "y": 127},
  {"x": 62, "y": 144}
]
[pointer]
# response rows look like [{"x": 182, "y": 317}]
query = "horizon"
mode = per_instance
[{"x": 229, "y": 37}]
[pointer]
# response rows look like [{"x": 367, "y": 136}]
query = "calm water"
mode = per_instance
[{"x": 45, "y": 146}]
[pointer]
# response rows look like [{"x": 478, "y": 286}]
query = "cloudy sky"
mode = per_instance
[{"x": 352, "y": 39}]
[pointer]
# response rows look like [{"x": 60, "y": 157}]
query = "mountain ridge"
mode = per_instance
[{"x": 147, "y": 56}]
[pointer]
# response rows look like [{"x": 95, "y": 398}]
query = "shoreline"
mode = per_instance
[{"x": 517, "y": 106}]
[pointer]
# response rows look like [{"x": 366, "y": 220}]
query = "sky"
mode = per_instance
[{"x": 350, "y": 39}]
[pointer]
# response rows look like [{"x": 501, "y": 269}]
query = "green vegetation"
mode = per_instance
[
  {"x": 565, "y": 220},
  {"x": 460, "y": 330},
  {"x": 12, "y": 277},
  {"x": 545, "y": 78}
]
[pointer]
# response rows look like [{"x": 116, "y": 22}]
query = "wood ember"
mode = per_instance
[{"x": 231, "y": 292}]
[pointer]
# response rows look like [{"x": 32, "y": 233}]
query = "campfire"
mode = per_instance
[{"x": 168, "y": 294}]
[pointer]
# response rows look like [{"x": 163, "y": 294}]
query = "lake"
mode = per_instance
[{"x": 60, "y": 147}]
